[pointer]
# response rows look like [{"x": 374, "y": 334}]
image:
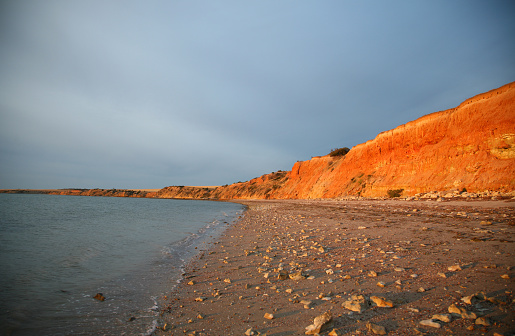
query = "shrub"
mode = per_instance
[
  {"x": 339, "y": 151},
  {"x": 394, "y": 193}
]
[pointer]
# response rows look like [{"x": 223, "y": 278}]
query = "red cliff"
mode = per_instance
[{"x": 471, "y": 146}]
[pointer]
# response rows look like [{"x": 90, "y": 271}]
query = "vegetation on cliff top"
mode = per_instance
[{"x": 339, "y": 151}]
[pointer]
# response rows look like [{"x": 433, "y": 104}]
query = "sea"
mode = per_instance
[{"x": 58, "y": 252}]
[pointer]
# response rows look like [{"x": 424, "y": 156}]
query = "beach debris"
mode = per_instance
[
  {"x": 357, "y": 303},
  {"x": 381, "y": 302},
  {"x": 430, "y": 323},
  {"x": 269, "y": 316},
  {"x": 381, "y": 284},
  {"x": 99, "y": 297},
  {"x": 376, "y": 329},
  {"x": 227, "y": 280},
  {"x": 200, "y": 316},
  {"x": 200, "y": 299},
  {"x": 505, "y": 276},
  {"x": 441, "y": 274},
  {"x": 318, "y": 323},
  {"x": 191, "y": 283}
]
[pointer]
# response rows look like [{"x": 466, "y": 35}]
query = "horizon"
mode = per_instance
[{"x": 132, "y": 95}]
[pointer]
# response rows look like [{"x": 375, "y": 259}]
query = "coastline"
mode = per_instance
[{"x": 402, "y": 251}]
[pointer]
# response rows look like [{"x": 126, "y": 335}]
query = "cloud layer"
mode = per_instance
[{"x": 132, "y": 94}]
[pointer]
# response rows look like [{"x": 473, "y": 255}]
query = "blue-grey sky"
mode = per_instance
[{"x": 147, "y": 94}]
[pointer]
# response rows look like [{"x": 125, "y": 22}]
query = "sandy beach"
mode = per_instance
[{"x": 376, "y": 266}]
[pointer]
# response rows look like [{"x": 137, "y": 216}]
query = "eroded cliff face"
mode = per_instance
[{"x": 471, "y": 146}]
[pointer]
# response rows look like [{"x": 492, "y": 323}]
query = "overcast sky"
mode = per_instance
[{"x": 147, "y": 94}]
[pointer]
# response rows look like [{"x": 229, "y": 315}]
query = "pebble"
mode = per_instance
[
  {"x": 468, "y": 299},
  {"x": 454, "y": 310},
  {"x": 372, "y": 274},
  {"x": 376, "y": 329},
  {"x": 381, "y": 302},
  {"x": 468, "y": 315},
  {"x": 269, "y": 316},
  {"x": 454, "y": 268},
  {"x": 318, "y": 323},
  {"x": 357, "y": 303},
  {"x": 482, "y": 321},
  {"x": 430, "y": 323},
  {"x": 99, "y": 297},
  {"x": 443, "y": 317}
]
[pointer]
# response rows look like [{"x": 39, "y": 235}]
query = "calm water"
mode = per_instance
[{"x": 57, "y": 252}]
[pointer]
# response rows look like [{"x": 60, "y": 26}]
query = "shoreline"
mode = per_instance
[{"x": 398, "y": 250}]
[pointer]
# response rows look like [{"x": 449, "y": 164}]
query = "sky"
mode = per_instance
[{"x": 148, "y": 94}]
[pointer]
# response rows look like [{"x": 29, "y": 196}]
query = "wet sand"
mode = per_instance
[{"x": 297, "y": 259}]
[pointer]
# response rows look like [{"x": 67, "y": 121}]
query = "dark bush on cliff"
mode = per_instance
[
  {"x": 394, "y": 193},
  {"x": 339, "y": 151}
]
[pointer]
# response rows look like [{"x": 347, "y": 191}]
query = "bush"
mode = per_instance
[
  {"x": 339, "y": 151},
  {"x": 394, "y": 193}
]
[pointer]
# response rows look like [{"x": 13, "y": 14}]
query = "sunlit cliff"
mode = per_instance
[{"x": 471, "y": 146}]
